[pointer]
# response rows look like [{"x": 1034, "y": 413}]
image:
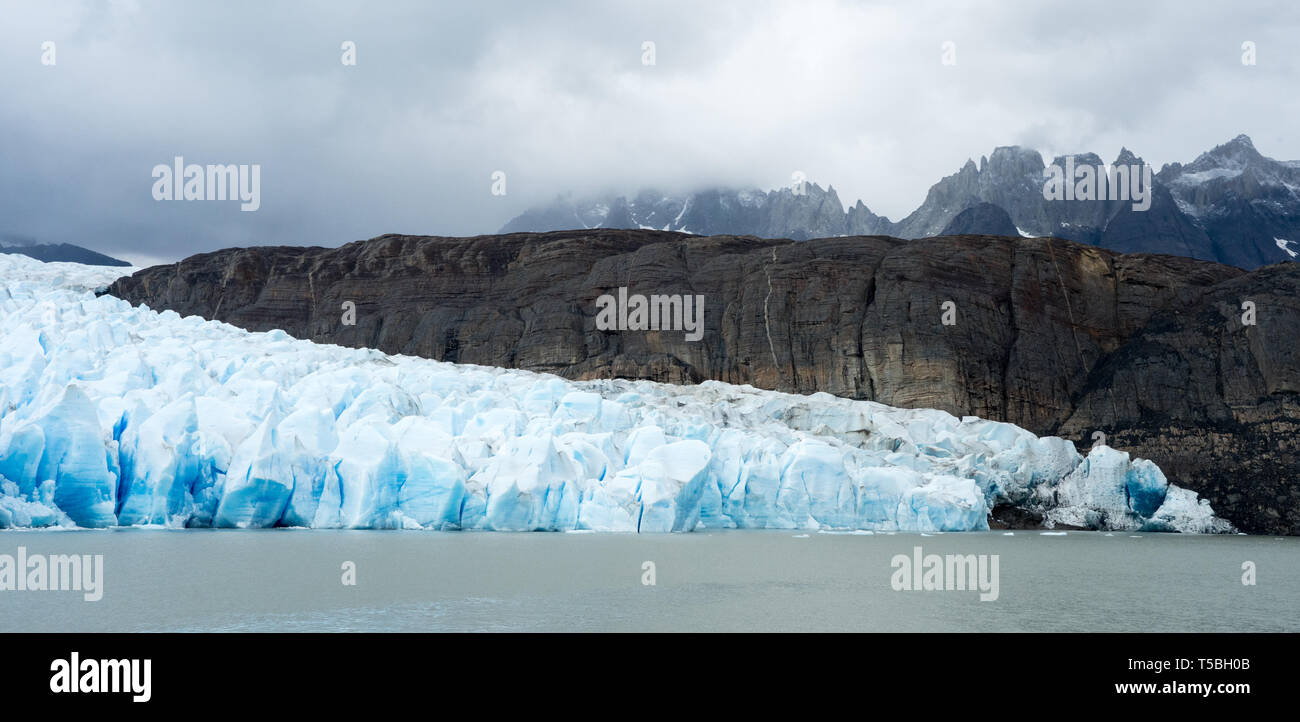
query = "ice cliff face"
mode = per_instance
[{"x": 118, "y": 415}]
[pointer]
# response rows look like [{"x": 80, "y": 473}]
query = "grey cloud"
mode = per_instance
[{"x": 555, "y": 95}]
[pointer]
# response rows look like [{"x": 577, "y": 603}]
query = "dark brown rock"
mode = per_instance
[{"x": 1007, "y": 516}]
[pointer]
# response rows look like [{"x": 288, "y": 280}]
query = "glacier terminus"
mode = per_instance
[{"x": 116, "y": 415}]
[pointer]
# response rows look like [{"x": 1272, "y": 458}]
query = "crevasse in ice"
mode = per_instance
[{"x": 118, "y": 415}]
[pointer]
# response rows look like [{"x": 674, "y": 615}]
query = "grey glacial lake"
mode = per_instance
[{"x": 410, "y": 581}]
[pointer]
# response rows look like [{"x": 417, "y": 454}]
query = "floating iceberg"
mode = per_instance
[{"x": 118, "y": 415}]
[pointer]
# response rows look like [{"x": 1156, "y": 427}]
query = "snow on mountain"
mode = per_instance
[
  {"x": 1241, "y": 199},
  {"x": 812, "y": 212},
  {"x": 117, "y": 415},
  {"x": 1224, "y": 206}
]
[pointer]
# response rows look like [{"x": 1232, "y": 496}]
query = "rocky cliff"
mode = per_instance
[{"x": 1057, "y": 337}]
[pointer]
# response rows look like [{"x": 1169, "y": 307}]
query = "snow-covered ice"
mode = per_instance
[{"x": 119, "y": 415}]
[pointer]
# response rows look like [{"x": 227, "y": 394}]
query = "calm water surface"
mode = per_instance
[{"x": 290, "y": 580}]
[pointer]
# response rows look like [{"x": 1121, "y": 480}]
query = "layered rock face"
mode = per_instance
[
  {"x": 1213, "y": 401},
  {"x": 1054, "y": 336}
]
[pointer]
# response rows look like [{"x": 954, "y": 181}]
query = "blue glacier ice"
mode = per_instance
[{"x": 117, "y": 415}]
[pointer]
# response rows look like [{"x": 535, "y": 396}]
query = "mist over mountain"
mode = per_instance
[
  {"x": 781, "y": 213},
  {"x": 1231, "y": 205}
]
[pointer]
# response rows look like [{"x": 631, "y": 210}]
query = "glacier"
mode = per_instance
[{"x": 115, "y": 415}]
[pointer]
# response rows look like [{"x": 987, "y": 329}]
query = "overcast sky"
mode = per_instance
[{"x": 555, "y": 94}]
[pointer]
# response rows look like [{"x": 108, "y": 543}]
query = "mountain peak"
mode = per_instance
[
  {"x": 1242, "y": 140},
  {"x": 1236, "y": 155},
  {"x": 1127, "y": 157},
  {"x": 1241, "y": 145}
]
